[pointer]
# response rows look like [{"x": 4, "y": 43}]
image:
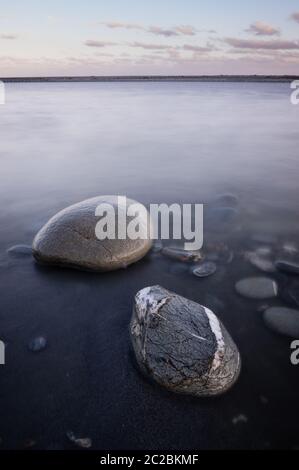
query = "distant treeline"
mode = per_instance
[{"x": 158, "y": 78}]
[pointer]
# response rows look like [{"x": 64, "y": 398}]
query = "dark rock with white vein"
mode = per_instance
[{"x": 182, "y": 345}]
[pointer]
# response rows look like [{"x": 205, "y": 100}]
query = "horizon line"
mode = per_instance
[{"x": 218, "y": 77}]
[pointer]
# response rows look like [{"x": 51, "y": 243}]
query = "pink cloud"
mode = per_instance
[
  {"x": 274, "y": 44},
  {"x": 93, "y": 43},
  {"x": 262, "y": 29},
  {"x": 150, "y": 46},
  {"x": 295, "y": 16}
]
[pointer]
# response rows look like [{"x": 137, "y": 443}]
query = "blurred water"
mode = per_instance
[{"x": 155, "y": 142}]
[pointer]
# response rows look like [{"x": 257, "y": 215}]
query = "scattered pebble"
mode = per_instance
[
  {"x": 20, "y": 251},
  {"x": 290, "y": 248},
  {"x": 37, "y": 344},
  {"x": 283, "y": 320},
  {"x": 239, "y": 419},
  {"x": 205, "y": 269},
  {"x": 287, "y": 266},
  {"x": 257, "y": 288},
  {"x": 83, "y": 443},
  {"x": 264, "y": 251},
  {"x": 262, "y": 262},
  {"x": 180, "y": 254}
]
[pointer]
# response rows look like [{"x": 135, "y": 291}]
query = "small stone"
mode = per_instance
[
  {"x": 37, "y": 344},
  {"x": 264, "y": 251},
  {"x": 69, "y": 238},
  {"x": 239, "y": 419},
  {"x": 290, "y": 248},
  {"x": 287, "y": 266},
  {"x": 180, "y": 254},
  {"x": 262, "y": 262},
  {"x": 283, "y": 320},
  {"x": 20, "y": 251},
  {"x": 83, "y": 443},
  {"x": 182, "y": 345},
  {"x": 205, "y": 269},
  {"x": 257, "y": 288}
]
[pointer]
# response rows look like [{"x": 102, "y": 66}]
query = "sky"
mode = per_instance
[{"x": 157, "y": 37}]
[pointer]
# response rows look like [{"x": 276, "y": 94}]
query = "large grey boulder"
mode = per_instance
[
  {"x": 182, "y": 345},
  {"x": 69, "y": 238}
]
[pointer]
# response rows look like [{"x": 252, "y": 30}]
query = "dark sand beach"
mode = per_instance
[{"x": 155, "y": 142}]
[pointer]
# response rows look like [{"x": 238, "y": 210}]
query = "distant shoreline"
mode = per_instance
[{"x": 159, "y": 78}]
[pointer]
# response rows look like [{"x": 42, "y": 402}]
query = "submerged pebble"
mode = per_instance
[
  {"x": 205, "y": 269},
  {"x": 182, "y": 345},
  {"x": 283, "y": 320},
  {"x": 180, "y": 254},
  {"x": 240, "y": 419},
  {"x": 20, "y": 251},
  {"x": 257, "y": 288},
  {"x": 261, "y": 261},
  {"x": 287, "y": 266},
  {"x": 289, "y": 248},
  {"x": 37, "y": 344},
  {"x": 83, "y": 443}
]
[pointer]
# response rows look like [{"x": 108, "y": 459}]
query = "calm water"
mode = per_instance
[{"x": 155, "y": 142}]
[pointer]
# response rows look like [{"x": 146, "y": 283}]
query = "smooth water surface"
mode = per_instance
[{"x": 155, "y": 142}]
